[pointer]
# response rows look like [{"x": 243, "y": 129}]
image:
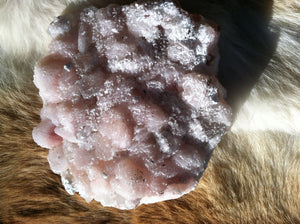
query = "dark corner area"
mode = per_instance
[{"x": 246, "y": 42}]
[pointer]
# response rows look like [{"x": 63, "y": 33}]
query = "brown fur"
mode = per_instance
[{"x": 254, "y": 173}]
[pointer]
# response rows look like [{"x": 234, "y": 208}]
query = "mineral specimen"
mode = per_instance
[{"x": 131, "y": 106}]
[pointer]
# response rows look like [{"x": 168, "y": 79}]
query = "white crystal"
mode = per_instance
[{"x": 132, "y": 109}]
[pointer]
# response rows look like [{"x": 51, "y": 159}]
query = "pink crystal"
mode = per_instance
[{"x": 131, "y": 106}]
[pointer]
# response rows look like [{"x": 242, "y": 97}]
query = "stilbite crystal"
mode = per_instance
[{"x": 131, "y": 106}]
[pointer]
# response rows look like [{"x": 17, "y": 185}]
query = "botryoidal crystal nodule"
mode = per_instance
[{"x": 132, "y": 108}]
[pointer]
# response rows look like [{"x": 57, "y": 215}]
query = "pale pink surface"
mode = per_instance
[{"x": 132, "y": 108}]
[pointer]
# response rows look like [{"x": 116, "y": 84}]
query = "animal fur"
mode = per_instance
[{"x": 254, "y": 173}]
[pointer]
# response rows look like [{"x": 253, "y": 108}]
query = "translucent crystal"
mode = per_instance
[{"x": 131, "y": 105}]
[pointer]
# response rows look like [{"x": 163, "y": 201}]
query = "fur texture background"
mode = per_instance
[{"x": 254, "y": 173}]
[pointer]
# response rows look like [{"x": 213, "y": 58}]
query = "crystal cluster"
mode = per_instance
[{"x": 131, "y": 106}]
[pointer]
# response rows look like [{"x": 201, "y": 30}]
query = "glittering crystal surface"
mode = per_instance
[{"x": 131, "y": 106}]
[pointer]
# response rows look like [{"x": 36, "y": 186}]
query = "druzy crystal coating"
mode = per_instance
[{"x": 132, "y": 108}]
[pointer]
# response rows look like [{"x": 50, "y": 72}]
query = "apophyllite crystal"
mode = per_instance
[{"x": 131, "y": 106}]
